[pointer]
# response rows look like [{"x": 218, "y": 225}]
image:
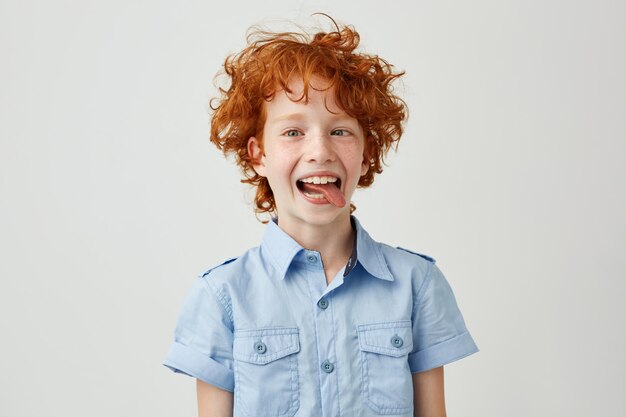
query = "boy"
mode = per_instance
[{"x": 320, "y": 319}]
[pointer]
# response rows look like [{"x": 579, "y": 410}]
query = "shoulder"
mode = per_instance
[
  {"x": 407, "y": 265},
  {"x": 231, "y": 268},
  {"x": 428, "y": 258},
  {"x": 400, "y": 254},
  {"x": 218, "y": 280},
  {"x": 215, "y": 267}
]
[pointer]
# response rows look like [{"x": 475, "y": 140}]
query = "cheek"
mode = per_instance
[
  {"x": 354, "y": 158},
  {"x": 282, "y": 166}
]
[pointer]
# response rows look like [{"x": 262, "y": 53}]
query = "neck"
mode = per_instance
[{"x": 334, "y": 240}]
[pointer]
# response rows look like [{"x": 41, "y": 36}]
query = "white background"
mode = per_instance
[{"x": 511, "y": 174}]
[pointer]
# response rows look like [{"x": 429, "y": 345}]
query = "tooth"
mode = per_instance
[{"x": 319, "y": 180}]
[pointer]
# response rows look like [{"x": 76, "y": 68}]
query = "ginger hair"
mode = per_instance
[{"x": 362, "y": 87}]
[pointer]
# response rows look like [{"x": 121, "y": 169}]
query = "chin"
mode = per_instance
[{"x": 325, "y": 216}]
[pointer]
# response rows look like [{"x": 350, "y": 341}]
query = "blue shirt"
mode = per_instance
[{"x": 268, "y": 327}]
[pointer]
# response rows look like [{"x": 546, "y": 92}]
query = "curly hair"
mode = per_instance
[{"x": 362, "y": 88}]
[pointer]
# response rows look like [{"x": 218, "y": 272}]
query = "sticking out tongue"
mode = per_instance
[{"x": 331, "y": 192}]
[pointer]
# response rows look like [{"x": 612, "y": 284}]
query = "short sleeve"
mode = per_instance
[
  {"x": 439, "y": 332},
  {"x": 203, "y": 338}
]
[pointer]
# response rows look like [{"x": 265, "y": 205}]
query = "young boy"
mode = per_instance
[{"x": 320, "y": 319}]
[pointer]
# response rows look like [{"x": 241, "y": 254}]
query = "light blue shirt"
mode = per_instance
[{"x": 267, "y": 327}]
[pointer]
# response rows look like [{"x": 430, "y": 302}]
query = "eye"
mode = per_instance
[
  {"x": 292, "y": 132},
  {"x": 340, "y": 132}
]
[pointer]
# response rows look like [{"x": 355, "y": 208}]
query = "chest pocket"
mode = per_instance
[
  {"x": 387, "y": 385},
  {"x": 266, "y": 371}
]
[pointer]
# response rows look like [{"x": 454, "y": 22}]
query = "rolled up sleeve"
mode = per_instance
[
  {"x": 203, "y": 338},
  {"x": 439, "y": 332}
]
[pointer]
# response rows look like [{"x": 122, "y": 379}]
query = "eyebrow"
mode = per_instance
[
  {"x": 292, "y": 116},
  {"x": 300, "y": 116}
]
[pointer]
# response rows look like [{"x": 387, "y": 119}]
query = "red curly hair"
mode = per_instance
[{"x": 361, "y": 82}]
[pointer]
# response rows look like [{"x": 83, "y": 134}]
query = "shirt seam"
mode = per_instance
[
  {"x": 266, "y": 359},
  {"x": 332, "y": 318},
  {"x": 220, "y": 298},
  {"x": 448, "y": 359},
  {"x": 319, "y": 371},
  {"x": 422, "y": 288}
]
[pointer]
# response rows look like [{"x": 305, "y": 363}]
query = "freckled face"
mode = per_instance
[{"x": 304, "y": 139}]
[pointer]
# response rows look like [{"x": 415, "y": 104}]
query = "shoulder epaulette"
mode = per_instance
[
  {"x": 217, "y": 266},
  {"x": 428, "y": 258}
]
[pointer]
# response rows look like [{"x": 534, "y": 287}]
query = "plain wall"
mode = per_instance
[{"x": 511, "y": 174}]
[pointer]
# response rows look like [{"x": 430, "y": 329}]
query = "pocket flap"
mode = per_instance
[
  {"x": 388, "y": 338},
  {"x": 265, "y": 345}
]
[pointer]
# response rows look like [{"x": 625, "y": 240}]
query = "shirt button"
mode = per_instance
[
  {"x": 260, "y": 348},
  {"x": 311, "y": 258},
  {"x": 396, "y": 341},
  {"x": 327, "y": 366},
  {"x": 323, "y": 304}
]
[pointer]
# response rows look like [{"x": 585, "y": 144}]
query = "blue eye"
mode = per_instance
[
  {"x": 292, "y": 132},
  {"x": 340, "y": 132}
]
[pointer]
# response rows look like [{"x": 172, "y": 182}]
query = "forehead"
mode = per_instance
[{"x": 319, "y": 98}]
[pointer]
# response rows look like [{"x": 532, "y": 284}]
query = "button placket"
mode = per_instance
[
  {"x": 327, "y": 366},
  {"x": 325, "y": 337}
]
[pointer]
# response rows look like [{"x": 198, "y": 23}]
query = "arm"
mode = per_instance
[
  {"x": 428, "y": 396},
  {"x": 213, "y": 401}
]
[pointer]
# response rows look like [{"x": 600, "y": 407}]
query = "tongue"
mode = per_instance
[{"x": 330, "y": 191}]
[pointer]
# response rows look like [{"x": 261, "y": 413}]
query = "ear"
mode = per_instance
[
  {"x": 365, "y": 165},
  {"x": 257, "y": 157}
]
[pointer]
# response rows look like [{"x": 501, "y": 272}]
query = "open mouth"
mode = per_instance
[
  {"x": 322, "y": 190},
  {"x": 303, "y": 184}
]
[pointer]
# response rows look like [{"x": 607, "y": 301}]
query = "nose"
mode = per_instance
[{"x": 320, "y": 148}]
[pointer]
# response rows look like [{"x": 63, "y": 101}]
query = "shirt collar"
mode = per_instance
[{"x": 279, "y": 249}]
